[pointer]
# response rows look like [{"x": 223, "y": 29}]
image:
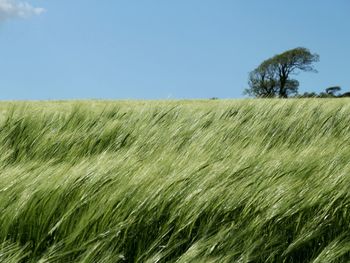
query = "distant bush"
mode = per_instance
[{"x": 331, "y": 92}]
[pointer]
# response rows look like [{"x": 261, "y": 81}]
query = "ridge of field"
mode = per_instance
[{"x": 175, "y": 181}]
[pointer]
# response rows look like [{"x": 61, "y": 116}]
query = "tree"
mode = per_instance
[
  {"x": 277, "y": 71},
  {"x": 291, "y": 62},
  {"x": 291, "y": 88},
  {"x": 346, "y": 94},
  {"x": 262, "y": 83},
  {"x": 333, "y": 90}
]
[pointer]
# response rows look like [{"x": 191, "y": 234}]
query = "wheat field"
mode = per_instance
[{"x": 175, "y": 181}]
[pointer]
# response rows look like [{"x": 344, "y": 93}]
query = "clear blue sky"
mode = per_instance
[{"x": 158, "y": 49}]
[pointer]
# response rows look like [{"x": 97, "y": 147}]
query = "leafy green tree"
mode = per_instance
[
  {"x": 277, "y": 72},
  {"x": 289, "y": 63},
  {"x": 346, "y": 94},
  {"x": 333, "y": 90},
  {"x": 261, "y": 83}
]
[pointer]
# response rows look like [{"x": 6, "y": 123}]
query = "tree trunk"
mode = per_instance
[
  {"x": 283, "y": 81},
  {"x": 282, "y": 90}
]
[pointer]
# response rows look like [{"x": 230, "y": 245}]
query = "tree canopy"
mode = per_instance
[
  {"x": 272, "y": 77},
  {"x": 333, "y": 90}
]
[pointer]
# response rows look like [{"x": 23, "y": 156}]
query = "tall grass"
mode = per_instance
[{"x": 175, "y": 181}]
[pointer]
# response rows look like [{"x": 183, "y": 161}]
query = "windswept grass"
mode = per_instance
[{"x": 175, "y": 181}]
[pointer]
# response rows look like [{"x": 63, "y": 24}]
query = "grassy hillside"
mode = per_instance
[{"x": 175, "y": 181}]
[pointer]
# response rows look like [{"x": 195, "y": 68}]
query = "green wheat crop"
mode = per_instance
[{"x": 175, "y": 181}]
